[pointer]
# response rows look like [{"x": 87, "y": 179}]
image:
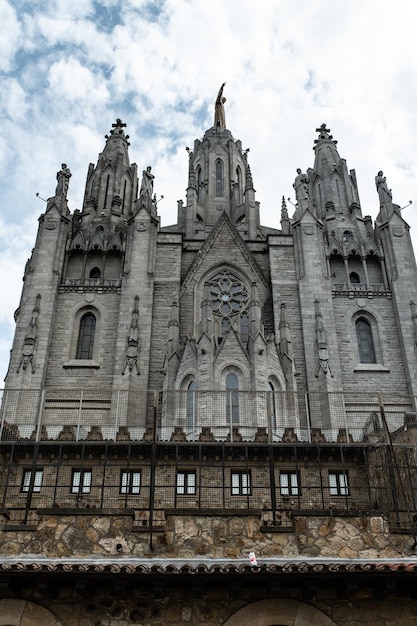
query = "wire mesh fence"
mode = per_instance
[
  {"x": 150, "y": 480},
  {"x": 226, "y": 416}
]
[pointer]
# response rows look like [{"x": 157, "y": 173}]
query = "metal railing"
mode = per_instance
[
  {"x": 206, "y": 416},
  {"x": 150, "y": 480}
]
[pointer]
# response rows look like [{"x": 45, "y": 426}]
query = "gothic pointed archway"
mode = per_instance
[{"x": 283, "y": 612}]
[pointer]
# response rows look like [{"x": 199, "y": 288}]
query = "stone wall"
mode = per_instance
[{"x": 88, "y": 535}]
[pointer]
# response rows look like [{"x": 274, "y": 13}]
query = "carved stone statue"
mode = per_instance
[
  {"x": 219, "y": 115},
  {"x": 63, "y": 177},
  {"x": 301, "y": 186},
  {"x": 385, "y": 194},
  {"x": 146, "y": 187}
]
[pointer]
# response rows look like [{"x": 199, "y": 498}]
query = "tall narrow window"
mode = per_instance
[
  {"x": 199, "y": 182},
  {"x": 130, "y": 482},
  {"x": 241, "y": 484},
  {"x": 288, "y": 482},
  {"x": 37, "y": 480},
  {"x": 272, "y": 404},
  {"x": 86, "y": 337},
  {"x": 190, "y": 406},
  {"x": 338, "y": 484},
  {"x": 81, "y": 481},
  {"x": 186, "y": 482},
  {"x": 365, "y": 341},
  {"x": 232, "y": 398},
  {"x": 219, "y": 179},
  {"x": 239, "y": 184}
]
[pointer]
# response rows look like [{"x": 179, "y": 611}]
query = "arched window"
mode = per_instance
[
  {"x": 354, "y": 278},
  {"x": 239, "y": 184},
  {"x": 95, "y": 272},
  {"x": 190, "y": 404},
  {"x": 86, "y": 337},
  {"x": 219, "y": 179},
  {"x": 232, "y": 398},
  {"x": 365, "y": 341},
  {"x": 272, "y": 409},
  {"x": 198, "y": 181}
]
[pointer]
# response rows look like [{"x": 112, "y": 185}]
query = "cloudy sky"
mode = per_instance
[{"x": 68, "y": 68}]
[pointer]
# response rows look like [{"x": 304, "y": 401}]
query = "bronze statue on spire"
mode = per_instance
[{"x": 219, "y": 115}]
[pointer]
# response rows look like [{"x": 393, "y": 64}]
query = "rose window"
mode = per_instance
[{"x": 228, "y": 294}]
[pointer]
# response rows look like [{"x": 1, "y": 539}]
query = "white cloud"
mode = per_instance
[{"x": 9, "y": 36}]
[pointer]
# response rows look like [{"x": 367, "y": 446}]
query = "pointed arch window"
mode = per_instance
[
  {"x": 86, "y": 337},
  {"x": 190, "y": 409},
  {"x": 354, "y": 278},
  {"x": 239, "y": 184},
  {"x": 272, "y": 409},
  {"x": 219, "y": 179},
  {"x": 232, "y": 398},
  {"x": 365, "y": 341},
  {"x": 199, "y": 182},
  {"x": 95, "y": 272}
]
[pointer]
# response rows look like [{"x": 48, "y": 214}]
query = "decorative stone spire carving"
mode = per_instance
[
  {"x": 285, "y": 343},
  {"x": 207, "y": 325},
  {"x": 173, "y": 330},
  {"x": 29, "y": 345},
  {"x": 132, "y": 346},
  {"x": 321, "y": 342},
  {"x": 256, "y": 326},
  {"x": 414, "y": 318},
  {"x": 249, "y": 179},
  {"x": 285, "y": 220}
]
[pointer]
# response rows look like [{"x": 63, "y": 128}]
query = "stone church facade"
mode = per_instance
[{"x": 212, "y": 422}]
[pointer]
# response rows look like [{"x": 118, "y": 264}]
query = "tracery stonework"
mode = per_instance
[{"x": 229, "y": 295}]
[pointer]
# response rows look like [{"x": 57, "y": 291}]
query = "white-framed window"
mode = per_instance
[
  {"x": 81, "y": 481},
  {"x": 186, "y": 483},
  {"x": 289, "y": 483},
  {"x": 37, "y": 480},
  {"x": 338, "y": 483},
  {"x": 241, "y": 484},
  {"x": 130, "y": 482}
]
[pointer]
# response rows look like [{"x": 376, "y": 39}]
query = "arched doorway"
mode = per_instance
[
  {"x": 18, "y": 612},
  {"x": 283, "y": 612}
]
